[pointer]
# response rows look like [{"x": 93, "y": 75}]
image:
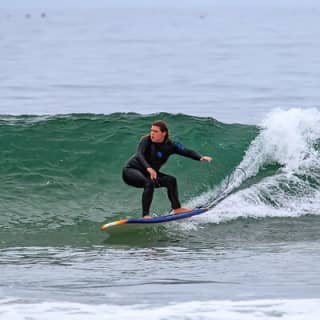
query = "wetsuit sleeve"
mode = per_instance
[
  {"x": 142, "y": 147},
  {"x": 181, "y": 150}
]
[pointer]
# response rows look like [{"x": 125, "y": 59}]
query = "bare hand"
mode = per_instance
[
  {"x": 205, "y": 158},
  {"x": 153, "y": 173}
]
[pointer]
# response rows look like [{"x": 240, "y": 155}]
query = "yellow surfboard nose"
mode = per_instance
[{"x": 107, "y": 225}]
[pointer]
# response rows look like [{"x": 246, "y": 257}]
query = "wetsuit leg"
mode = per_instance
[
  {"x": 136, "y": 178},
  {"x": 170, "y": 182}
]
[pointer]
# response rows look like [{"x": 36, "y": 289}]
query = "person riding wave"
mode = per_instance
[{"x": 142, "y": 169}]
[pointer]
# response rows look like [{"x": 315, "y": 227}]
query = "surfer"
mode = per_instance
[{"x": 142, "y": 169}]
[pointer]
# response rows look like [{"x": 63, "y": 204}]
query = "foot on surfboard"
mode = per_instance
[{"x": 181, "y": 210}]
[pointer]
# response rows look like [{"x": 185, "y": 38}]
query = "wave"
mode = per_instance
[
  {"x": 217, "y": 309},
  {"x": 62, "y": 174},
  {"x": 282, "y": 170}
]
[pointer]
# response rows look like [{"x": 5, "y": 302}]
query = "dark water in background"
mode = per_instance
[
  {"x": 233, "y": 63},
  {"x": 254, "y": 255}
]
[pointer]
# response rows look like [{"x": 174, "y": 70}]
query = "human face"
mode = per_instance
[{"x": 157, "y": 135}]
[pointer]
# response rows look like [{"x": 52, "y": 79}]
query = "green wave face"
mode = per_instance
[
  {"x": 64, "y": 172},
  {"x": 61, "y": 175}
]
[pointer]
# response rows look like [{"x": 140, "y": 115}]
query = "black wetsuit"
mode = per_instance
[{"x": 154, "y": 155}]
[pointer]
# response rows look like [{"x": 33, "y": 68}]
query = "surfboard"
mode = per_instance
[
  {"x": 211, "y": 203},
  {"x": 153, "y": 220}
]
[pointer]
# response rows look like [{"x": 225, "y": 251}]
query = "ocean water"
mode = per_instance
[
  {"x": 79, "y": 87},
  {"x": 233, "y": 63}
]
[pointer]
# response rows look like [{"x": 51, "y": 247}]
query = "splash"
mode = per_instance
[{"x": 288, "y": 143}]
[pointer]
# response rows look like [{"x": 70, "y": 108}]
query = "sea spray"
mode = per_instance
[{"x": 287, "y": 147}]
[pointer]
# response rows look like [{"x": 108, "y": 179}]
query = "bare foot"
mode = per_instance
[
  {"x": 147, "y": 216},
  {"x": 181, "y": 210}
]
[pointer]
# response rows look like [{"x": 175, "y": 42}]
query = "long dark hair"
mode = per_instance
[{"x": 163, "y": 128}]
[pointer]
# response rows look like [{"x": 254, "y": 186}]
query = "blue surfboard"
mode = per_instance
[{"x": 154, "y": 220}]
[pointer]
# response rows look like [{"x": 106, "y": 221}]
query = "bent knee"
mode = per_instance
[
  {"x": 149, "y": 184},
  {"x": 171, "y": 180}
]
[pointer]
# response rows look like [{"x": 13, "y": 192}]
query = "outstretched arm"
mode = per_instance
[
  {"x": 206, "y": 158},
  {"x": 180, "y": 149}
]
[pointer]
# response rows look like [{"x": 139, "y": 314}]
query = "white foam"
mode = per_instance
[
  {"x": 287, "y": 138},
  {"x": 286, "y": 309}
]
